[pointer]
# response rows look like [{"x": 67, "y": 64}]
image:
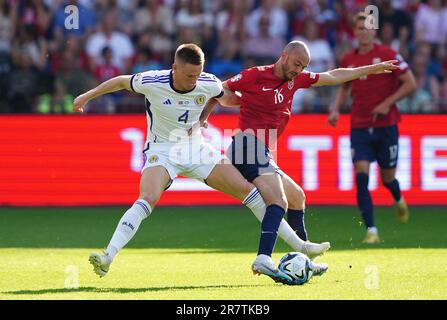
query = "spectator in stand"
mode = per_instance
[
  {"x": 263, "y": 48},
  {"x": 315, "y": 99},
  {"x": 36, "y": 14},
  {"x": 106, "y": 70},
  {"x": 74, "y": 79},
  {"x": 8, "y": 21},
  {"x": 431, "y": 23},
  {"x": 23, "y": 83},
  {"x": 58, "y": 102},
  {"x": 396, "y": 17},
  {"x": 155, "y": 17},
  {"x": 156, "y": 23},
  {"x": 146, "y": 61},
  {"x": 277, "y": 20},
  {"x": 419, "y": 101},
  {"x": 8, "y": 18},
  {"x": 404, "y": 44},
  {"x": 35, "y": 46},
  {"x": 118, "y": 42},
  {"x": 194, "y": 25},
  {"x": 73, "y": 44},
  {"x": 103, "y": 72},
  {"x": 230, "y": 27},
  {"x": 428, "y": 72},
  {"x": 386, "y": 36}
]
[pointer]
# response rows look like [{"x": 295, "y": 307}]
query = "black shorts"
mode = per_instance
[{"x": 251, "y": 157}]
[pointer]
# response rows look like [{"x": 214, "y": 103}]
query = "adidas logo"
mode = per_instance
[{"x": 167, "y": 102}]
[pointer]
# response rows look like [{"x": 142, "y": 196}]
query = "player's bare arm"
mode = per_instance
[
  {"x": 408, "y": 85},
  {"x": 342, "y": 75},
  {"x": 112, "y": 85},
  {"x": 340, "y": 99},
  {"x": 228, "y": 99}
]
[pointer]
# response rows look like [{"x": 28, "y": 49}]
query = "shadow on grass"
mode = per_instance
[{"x": 124, "y": 290}]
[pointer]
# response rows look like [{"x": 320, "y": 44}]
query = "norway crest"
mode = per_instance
[{"x": 290, "y": 84}]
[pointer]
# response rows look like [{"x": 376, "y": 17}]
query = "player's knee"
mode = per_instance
[
  {"x": 279, "y": 201},
  {"x": 150, "y": 197},
  {"x": 297, "y": 199},
  {"x": 387, "y": 178},
  {"x": 247, "y": 187}
]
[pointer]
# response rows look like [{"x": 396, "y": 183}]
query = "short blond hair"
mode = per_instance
[{"x": 190, "y": 53}]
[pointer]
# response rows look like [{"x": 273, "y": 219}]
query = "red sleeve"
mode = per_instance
[
  {"x": 403, "y": 65},
  {"x": 242, "y": 81},
  {"x": 306, "y": 79}
]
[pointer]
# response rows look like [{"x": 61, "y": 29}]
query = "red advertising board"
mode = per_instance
[{"x": 96, "y": 160}]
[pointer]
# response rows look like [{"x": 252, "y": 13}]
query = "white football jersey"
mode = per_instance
[{"x": 171, "y": 113}]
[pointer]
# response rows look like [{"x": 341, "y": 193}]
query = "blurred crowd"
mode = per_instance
[{"x": 47, "y": 58}]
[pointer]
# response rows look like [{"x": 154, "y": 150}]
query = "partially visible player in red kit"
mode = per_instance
[
  {"x": 374, "y": 118},
  {"x": 265, "y": 108}
]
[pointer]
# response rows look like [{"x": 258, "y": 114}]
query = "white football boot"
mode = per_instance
[
  {"x": 101, "y": 263},
  {"x": 264, "y": 264},
  {"x": 318, "y": 269},
  {"x": 313, "y": 250},
  {"x": 372, "y": 236}
]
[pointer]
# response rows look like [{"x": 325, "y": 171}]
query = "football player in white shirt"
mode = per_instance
[{"x": 174, "y": 101}]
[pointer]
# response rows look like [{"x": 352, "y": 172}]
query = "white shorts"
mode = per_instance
[{"x": 189, "y": 160}]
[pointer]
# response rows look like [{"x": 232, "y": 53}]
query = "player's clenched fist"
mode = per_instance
[
  {"x": 333, "y": 118},
  {"x": 79, "y": 103}
]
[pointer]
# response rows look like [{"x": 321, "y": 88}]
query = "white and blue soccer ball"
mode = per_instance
[{"x": 297, "y": 266}]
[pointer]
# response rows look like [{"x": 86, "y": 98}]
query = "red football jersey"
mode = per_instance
[
  {"x": 266, "y": 100},
  {"x": 369, "y": 91}
]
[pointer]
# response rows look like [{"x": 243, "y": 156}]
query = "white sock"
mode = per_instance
[
  {"x": 257, "y": 205},
  {"x": 128, "y": 226},
  {"x": 373, "y": 230}
]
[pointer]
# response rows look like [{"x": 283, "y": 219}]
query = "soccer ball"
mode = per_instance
[{"x": 297, "y": 266}]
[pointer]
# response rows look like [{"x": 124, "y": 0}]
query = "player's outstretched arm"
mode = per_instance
[
  {"x": 112, "y": 85},
  {"x": 342, "y": 75}
]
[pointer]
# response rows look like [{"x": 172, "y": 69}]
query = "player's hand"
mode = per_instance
[
  {"x": 196, "y": 126},
  {"x": 79, "y": 103},
  {"x": 332, "y": 119},
  {"x": 385, "y": 67},
  {"x": 382, "y": 109}
]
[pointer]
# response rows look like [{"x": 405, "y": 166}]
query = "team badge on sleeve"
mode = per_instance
[
  {"x": 236, "y": 78},
  {"x": 377, "y": 60}
]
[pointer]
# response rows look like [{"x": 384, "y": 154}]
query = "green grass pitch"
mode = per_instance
[{"x": 199, "y": 253}]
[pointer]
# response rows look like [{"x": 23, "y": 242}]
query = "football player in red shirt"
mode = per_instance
[
  {"x": 374, "y": 118},
  {"x": 265, "y": 104}
]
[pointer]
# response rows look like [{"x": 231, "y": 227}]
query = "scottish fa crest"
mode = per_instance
[
  {"x": 153, "y": 159},
  {"x": 200, "y": 100}
]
